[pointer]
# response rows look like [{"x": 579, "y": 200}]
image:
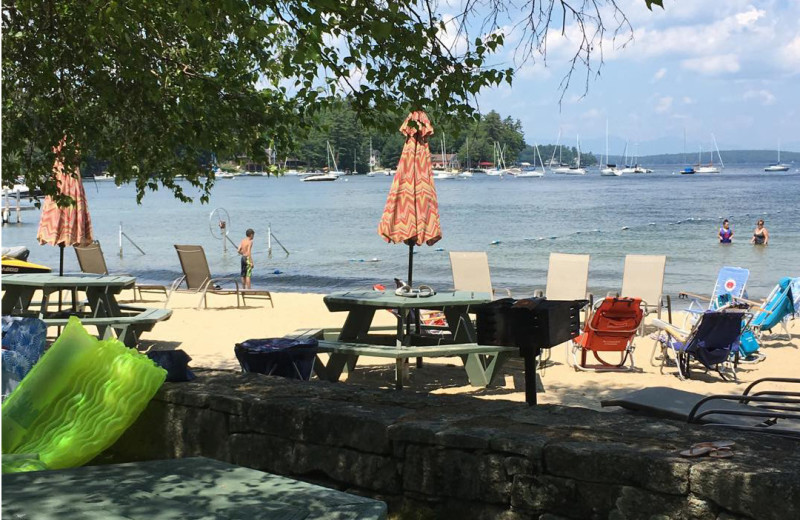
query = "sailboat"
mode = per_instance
[
  {"x": 687, "y": 170},
  {"x": 561, "y": 168},
  {"x": 777, "y": 167},
  {"x": 499, "y": 162},
  {"x": 442, "y": 173},
  {"x": 332, "y": 175},
  {"x": 526, "y": 171},
  {"x": 610, "y": 170},
  {"x": 577, "y": 170},
  {"x": 710, "y": 167}
]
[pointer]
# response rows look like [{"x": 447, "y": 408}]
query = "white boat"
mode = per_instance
[
  {"x": 610, "y": 170},
  {"x": 443, "y": 174},
  {"x": 104, "y": 177},
  {"x": 529, "y": 174},
  {"x": 225, "y": 175},
  {"x": 529, "y": 171},
  {"x": 321, "y": 177},
  {"x": 577, "y": 170},
  {"x": 777, "y": 167},
  {"x": 465, "y": 174}
]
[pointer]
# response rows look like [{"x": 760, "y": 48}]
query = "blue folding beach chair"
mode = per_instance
[
  {"x": 713, "y": 342},
  {"x": 782, "y": 304},
  {"x": 731, "y": 283}
]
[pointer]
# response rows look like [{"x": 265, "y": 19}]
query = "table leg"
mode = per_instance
[
  {"x": 400, "y": 372},
  {"x": 356, "y": 325},
  {"x": 16, "y": 299},
  {"x": 460, "y": 325}
]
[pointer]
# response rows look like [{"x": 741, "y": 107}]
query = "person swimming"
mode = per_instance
[
  {"x": 725, "y": 233},
  {"x": 760, "y": 234}
]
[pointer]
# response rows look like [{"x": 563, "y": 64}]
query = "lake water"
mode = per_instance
[{"x": 330, "y": 229}]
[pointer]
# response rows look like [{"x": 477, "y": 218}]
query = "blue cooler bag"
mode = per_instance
[{"x": 284, "y": 357}]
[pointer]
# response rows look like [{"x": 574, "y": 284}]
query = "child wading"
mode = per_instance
[{"x": 246, "y": 250}]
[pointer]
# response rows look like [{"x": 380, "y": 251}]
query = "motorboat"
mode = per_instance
[
  {"x": 687, "y": 171},
  {"x": 641, "y": 169},
  {"x": 321, "y": 177},
  {"x": 610, "y": 170},
  {"x": 443, "y": 174},
  {"x": 104, "y": 177},
  {"x": 465, "y": 174},
  {"x": 709, "y": 168}
]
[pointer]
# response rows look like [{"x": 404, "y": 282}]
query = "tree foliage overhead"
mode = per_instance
[{"x": 159, "y": 88}]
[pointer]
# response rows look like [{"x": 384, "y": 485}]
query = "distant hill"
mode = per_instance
[{"x": 729, "y": 157}]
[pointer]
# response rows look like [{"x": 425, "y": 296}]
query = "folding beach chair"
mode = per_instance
[
  {"x": 92, "y": 260},
  {"x": 782, "y": 304},
  {"x": 643, "y": 278},
  {"x": 611, "y": 328},
  {"x": 760, "y": 408},
  {"x": 471, "y": 272},
  {"x": 713, "y": 341},
  {"x": 731, "y": 283},
  {"x": 197, "y": 279}
]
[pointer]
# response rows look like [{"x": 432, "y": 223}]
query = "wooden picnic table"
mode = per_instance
[
  {"x": 178, "y": 490},
  {"x": 104, "y": 311}
]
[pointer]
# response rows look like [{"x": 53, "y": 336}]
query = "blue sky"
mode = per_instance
[{"x": 727, "y": 67}]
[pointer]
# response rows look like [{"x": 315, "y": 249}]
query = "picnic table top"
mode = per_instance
[
  {"x": 181, "y": 489},
  {"x": 48, "y": 280},
  {"x": 388, "y": 300}
]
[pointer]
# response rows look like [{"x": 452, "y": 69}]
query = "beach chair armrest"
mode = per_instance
[
  {"x": 612, "y": 294},
  {"x": 507, "y": 291},
  {"x": 176, "y": 283},
  {"x": 538, "y": 293},
  {"x": 670, "y": 329}
]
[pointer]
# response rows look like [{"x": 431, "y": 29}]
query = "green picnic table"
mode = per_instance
[
  {"x": 104, "y": 311},
  {"x": 182, "y": 489},
  {"x": 357, "y": 337}
]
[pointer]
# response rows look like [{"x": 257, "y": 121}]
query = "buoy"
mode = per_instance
[
  {"x": 494, "y": 242},
  {"x": 277, "y": 271},
  {"x": 439, "y": 249},
  {"x": 624, "y": 228}
]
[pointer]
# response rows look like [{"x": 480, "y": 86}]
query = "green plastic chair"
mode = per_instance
[{"x": 76, "y": 401}]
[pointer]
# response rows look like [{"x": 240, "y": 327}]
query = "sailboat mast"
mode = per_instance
[
  {"x": 606, "y": 141},
  {"x": 717, "y": 148}
]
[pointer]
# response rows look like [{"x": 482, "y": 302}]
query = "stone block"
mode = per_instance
[
  {"x": 474, "y": 476},
  {"x": 420, "y": 469},
  {"x": 637, "y": 504},
  {"x": 542, "y": 494},
  {"x": 757, "y": 490},
  {"x": 519, "y": 466},
  {"x": 351, "y": 468},
  {"x": 262, "y": 452},
  {"x": 652, "y": 468}
]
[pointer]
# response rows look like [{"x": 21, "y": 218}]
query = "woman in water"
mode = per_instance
[
  {"x": 725, "y": 233},
  {"x": 760, "y": 234}
]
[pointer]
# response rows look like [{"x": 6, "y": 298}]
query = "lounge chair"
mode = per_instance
[
  {"x": 643, "y": 278},
  {"x": 471, "y": 272},
  {"x": 782, "y": 304},
  {"x": 731, "y": 283},
  {"x": 713, "y": 341},
  {"x": 611, "y": 328},
  {"x": 567, "y": 277},
  {"x": 765, "y": 411},
  {"x": 92, "y": 260},
  {"x": 197, "y": 279}
]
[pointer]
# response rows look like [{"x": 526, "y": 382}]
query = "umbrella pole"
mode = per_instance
[
  {"x": 410, "y": 284},
  {"x": 410, "y": 263}
]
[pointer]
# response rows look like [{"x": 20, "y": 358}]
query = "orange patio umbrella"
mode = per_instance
[
  {"x": 65, "y": 225},
  {"x": 411, "y": 214}
]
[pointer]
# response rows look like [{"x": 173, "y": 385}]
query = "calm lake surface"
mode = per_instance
[{"x": 330, "y": 229}]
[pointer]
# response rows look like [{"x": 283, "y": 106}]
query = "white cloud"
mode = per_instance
[
  {"x": 663, "y": 104},
  {"x": 790, "y": 54},
  {"x": 750, "y": 17},
  {"x": 660, "y": 74},
  {"x": 765, "y": 96},
  {"x": 713, "y": 65},
  {"x": 687, "y": 100},
  {"x": 592, "y": 114}
]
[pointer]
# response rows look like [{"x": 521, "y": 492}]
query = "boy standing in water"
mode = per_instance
[
  {"x": 725, "y": 233},
  {"x": 246, "y": 250}
]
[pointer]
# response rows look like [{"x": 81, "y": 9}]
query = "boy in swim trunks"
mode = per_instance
[{"x": 246, "y": 250}]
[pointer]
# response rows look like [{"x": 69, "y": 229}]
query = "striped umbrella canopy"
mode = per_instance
[
  {"x": 65, "y": 225},
  {"x": 411, "y": 214}
]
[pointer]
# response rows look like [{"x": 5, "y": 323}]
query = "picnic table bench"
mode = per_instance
[
  {"x": 127, "y": 327},
  {"x": 481, "y": 362}
]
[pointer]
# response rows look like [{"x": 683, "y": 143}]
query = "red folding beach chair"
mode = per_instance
[{"x": 611, "y": 328}]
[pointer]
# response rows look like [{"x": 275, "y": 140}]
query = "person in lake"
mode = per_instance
[
  {"x": 725, "y": 233},
  {"x": 760, "y": 234},
  {"x": 246, "y": 250}
]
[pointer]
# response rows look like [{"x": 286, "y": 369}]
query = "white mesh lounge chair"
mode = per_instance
[
  {"x": 471, "y": 272},
  {"x": 92, "y": 260},
  {"x": 567, "y": 277},
  {"x": 643, "y": 277},
  {"x": 197, "y": 279}
]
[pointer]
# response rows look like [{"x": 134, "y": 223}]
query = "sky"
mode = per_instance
[{"x": 729, "y": 68}]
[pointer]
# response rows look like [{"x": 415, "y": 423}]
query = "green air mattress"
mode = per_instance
[{"x": 76, "y": 401}]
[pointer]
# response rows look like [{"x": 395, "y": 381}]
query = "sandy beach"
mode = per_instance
[{"x": 209, "y": 335}]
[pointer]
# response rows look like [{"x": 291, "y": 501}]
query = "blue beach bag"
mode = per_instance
[{"x": 284, "y": 357}]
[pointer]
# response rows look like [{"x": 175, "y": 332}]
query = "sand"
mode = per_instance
[{"x": 209, "y": 335}]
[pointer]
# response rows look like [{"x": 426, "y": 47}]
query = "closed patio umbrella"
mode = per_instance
[
  {"x": 411, "y": 214},
  {"x": 65, "y": 225}
]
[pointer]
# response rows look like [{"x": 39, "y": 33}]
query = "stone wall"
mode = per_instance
[{"x": 459, "y": 457}]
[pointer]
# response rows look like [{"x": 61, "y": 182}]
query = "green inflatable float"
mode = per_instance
[{"x": 75, "y": 402}]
